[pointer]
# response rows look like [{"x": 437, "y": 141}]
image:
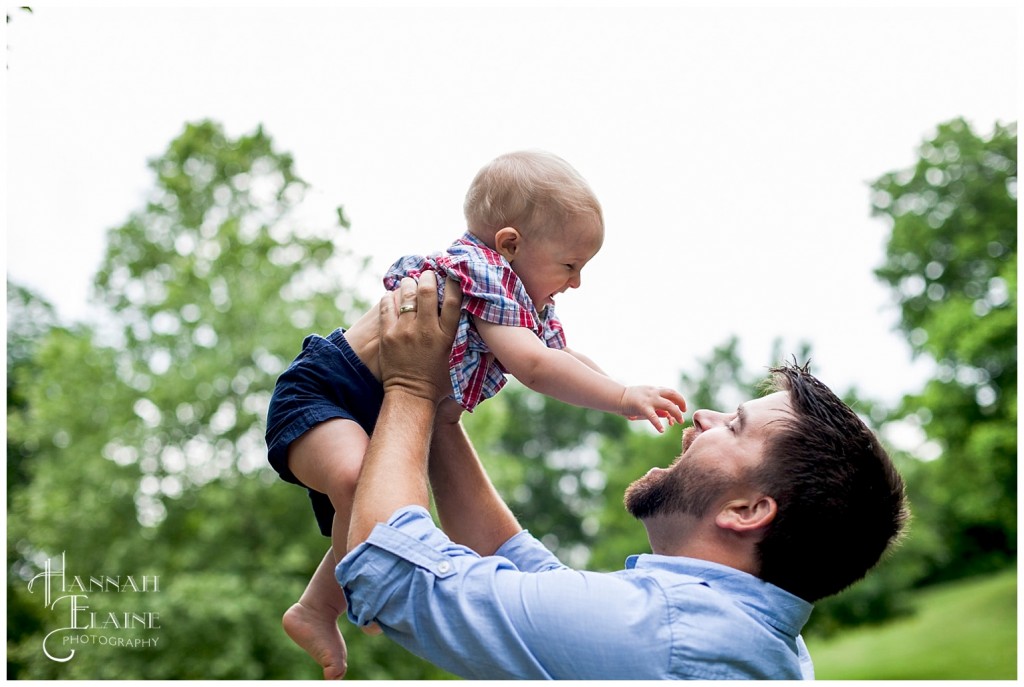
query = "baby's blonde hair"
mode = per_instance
[{"x": 531, "y": 190}]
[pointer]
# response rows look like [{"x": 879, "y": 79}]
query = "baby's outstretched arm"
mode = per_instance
[
  {"x": 561, "y": 375},
  {"x": 585, "y": 360}
]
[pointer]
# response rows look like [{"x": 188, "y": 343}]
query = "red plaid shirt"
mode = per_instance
[{"x": 492, "y": 292}]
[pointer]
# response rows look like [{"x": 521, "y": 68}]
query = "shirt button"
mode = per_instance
[{"x": 443, "y": 567}]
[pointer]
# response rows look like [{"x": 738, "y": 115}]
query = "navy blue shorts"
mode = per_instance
[{"x": 326, "y": 380}]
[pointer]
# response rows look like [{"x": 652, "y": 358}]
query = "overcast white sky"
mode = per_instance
[{"x": 731, "y": 147}]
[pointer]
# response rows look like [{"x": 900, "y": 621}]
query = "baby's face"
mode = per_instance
[{"x": 550, "y": 266}]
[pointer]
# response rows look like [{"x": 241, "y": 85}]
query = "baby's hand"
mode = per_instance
[{"x": 653, "y": 402}]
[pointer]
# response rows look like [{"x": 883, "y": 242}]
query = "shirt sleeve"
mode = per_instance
[
  {"x": 528, "y": 554},
  {"x": 486, "y": 618},
  {"x": 554, "y": 336}
]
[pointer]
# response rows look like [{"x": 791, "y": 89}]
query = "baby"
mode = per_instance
[{"x": 533, "y": 224}]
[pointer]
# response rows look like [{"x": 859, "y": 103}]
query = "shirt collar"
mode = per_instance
[
  {"x": 780, "y": 609},
  {"x": 469, "y": 238}
]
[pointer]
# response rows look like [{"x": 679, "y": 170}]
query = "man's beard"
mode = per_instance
[{"x": 686, "y": 487}]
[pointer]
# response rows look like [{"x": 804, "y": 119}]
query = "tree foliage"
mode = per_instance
[
  {"x": 211, "y": 288},
  {"x": 952, "y": 263}
]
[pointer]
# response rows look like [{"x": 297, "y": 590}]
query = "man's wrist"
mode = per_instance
[
  {"x": 397, "y": 387},
  {"x": 413, "y": 412}
]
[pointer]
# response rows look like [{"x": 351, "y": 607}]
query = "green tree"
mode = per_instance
[
  {"x": 952, "y": 263},
  {"x": 29, "y": 320},
  {"x": 140, "y": 439}
]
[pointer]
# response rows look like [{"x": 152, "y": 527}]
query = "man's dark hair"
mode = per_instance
[{"x": 840, "y": 500}]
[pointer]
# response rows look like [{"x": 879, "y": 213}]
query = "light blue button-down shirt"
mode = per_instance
[{"x": 522, "y": 614}]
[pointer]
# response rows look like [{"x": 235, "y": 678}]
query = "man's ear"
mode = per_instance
[
  {"x": 507, "y": 242},
  {"x": 747, "y": 515}
]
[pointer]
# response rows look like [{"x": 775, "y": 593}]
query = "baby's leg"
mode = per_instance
[
  {"x": 326, "y": 458},
  {"x": 312, "y": 622}
]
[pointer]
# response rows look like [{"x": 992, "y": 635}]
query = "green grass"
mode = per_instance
[{"x": 959, "y": 631}]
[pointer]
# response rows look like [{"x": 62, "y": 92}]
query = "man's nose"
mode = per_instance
[
  {"x": 704, "y": 419},
  {"x": 575, "y": 281}
]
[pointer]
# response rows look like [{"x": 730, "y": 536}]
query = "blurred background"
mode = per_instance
[{"x": 192, "y": 190}]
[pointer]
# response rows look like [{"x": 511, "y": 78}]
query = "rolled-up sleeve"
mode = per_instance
[{"x": 485, "y": 617}]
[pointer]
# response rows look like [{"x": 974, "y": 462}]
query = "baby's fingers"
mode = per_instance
[
  {"x": 675, "y": 397},
  {"x": 653, "y": 418},
  {"x": 666, "y": 414},
  {"x": 673, "y": 403}
]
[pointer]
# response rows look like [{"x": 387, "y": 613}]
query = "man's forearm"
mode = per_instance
[
  {"x": 471, "y": 511},
  {"x": 394, "y": 472}
]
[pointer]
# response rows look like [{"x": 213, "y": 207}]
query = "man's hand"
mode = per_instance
[{"x": 415, "y": 344}]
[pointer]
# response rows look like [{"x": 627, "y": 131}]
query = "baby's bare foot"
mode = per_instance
[{"x": 318, "y": 635}]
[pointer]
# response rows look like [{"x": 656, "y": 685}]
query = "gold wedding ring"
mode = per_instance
[{"x": 406, "y": 308}]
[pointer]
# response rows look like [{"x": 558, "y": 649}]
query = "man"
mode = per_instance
[{"x": 786, "y": 500}]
